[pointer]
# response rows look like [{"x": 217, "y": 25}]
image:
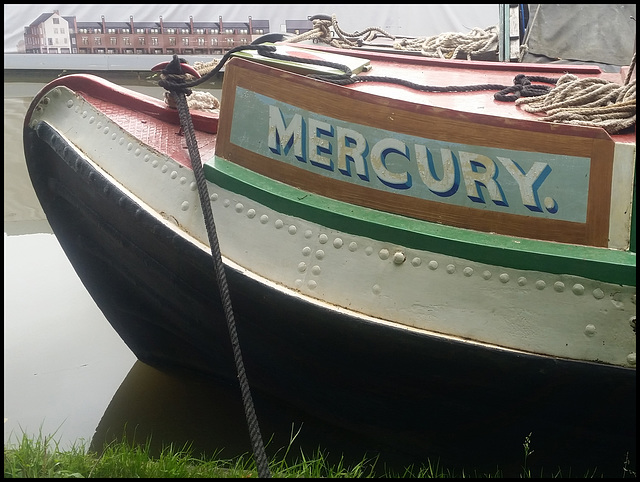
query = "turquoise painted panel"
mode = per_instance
[{"x": 530, "y": 184}]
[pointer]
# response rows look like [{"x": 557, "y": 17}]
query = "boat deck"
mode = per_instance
[{"x": 446, "y": 73}]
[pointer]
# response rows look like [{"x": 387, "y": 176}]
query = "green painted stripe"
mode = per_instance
[{"x": 607, "y": 265}]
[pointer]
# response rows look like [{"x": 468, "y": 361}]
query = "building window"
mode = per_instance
[
  {"x": 84, "y": 41},
  {"x": 56, "y": 21},
  {"x": 126, "y": 40},
  {"x": 200, "y": 31},
  {"x": 141, "y": 40},
  {"x": 172, "y": 40},
  {"x": 97, "y": 41},
  {"x": 139, "y": 30},
  {"x": 214, "y": 41},
  {"x": 113, "y": 41},
  {"x": 185, "y": 41},
  {"x": 201, "y": 41},
  {"x": 154, "y": 40}
]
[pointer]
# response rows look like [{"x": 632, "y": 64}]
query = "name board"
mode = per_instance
[{"x": 549, "y": 186}]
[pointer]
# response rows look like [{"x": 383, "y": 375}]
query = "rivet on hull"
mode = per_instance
[{"x": 399, "y": 258}]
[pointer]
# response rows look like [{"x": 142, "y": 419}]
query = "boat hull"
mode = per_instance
[{"x": 431, "y": 394}]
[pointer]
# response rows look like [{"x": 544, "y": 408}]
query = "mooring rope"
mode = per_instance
[{"x": 174, "y": 80}]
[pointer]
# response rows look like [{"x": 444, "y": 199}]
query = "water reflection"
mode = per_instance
[
  {"x": 208, "y": 415},
  {"x": 62, "y": 360}
]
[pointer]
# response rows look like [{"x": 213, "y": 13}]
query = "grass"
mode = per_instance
[{"x": 40, "y": 457}]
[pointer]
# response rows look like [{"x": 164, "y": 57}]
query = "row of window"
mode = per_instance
[
  {"x": 154, "y": 41},
  {"x": 173, "y": 31}
]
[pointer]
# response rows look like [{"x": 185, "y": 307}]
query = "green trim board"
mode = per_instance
[{"x": 602, "y": 264}]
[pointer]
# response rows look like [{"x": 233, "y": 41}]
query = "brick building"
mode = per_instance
[{"x": 52, "y": 33}]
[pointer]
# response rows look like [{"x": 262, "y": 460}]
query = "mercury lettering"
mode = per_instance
[{"x": 347, "y": 151}]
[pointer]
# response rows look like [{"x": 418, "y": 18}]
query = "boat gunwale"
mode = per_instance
[{"x": 102, "y": 89}]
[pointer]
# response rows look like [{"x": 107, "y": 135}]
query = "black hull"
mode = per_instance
[{"x": 434, "y": 397}]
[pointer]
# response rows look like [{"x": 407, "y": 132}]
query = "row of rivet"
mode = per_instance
[{"x": 399, "y": 257}]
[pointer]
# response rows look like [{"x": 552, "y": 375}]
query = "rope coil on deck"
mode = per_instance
[
  {"x": 321, "y": 31},
  {"x": 446, "y": 46},
  {"x": 590, "y": 102},
  {"x": 449, "y": 45}
]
